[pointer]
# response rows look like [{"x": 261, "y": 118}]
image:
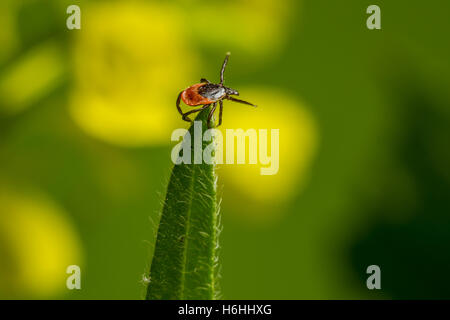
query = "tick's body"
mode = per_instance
[
  {"x": 206, "y": 93},
  {"x": 202, "y": 93}
]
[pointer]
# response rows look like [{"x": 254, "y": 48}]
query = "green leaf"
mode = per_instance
[{"x": 185, "y": 259}]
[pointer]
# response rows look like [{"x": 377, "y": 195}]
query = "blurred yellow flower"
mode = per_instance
[
  {"x": 37, "y": 243},
  {"x": 255, "y": 27},
  {"x": 31, "y": 76},
  {"x": 130, "y": 61},
  {"x": 298, "y": 140}
]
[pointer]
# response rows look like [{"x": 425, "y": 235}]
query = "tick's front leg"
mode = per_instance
[
  {"x": 185, "y": 118},
  {"x": 178, "y": 103}
]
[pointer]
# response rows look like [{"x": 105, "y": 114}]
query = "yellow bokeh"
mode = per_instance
[
  {"x": 130, "y": 61},
  {"x": 37, "y": 244},
  {"x": 298, "y": 141}
]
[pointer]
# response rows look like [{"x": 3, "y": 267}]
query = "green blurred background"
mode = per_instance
[{"x": 85, "y": 123}]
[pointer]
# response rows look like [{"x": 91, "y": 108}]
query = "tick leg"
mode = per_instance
[
  {"x": 211, "y": 114},
  {"x": 203, "y": 80},
  {"x": 178, "y": 103},
  {"x": 241, "y": 101},
  {"x": 223, "y": 67},
  {"x": 220, "y": 112},
  {"x": 185, "y": 118}
]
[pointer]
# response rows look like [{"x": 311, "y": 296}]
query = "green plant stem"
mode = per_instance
[{"x": 185, "y": 258}]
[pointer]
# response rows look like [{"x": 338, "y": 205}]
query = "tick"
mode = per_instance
[{"x": 206, "y": 93}]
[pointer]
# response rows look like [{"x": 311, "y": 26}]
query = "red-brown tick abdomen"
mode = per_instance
[{"x": 191, "y": 97}]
